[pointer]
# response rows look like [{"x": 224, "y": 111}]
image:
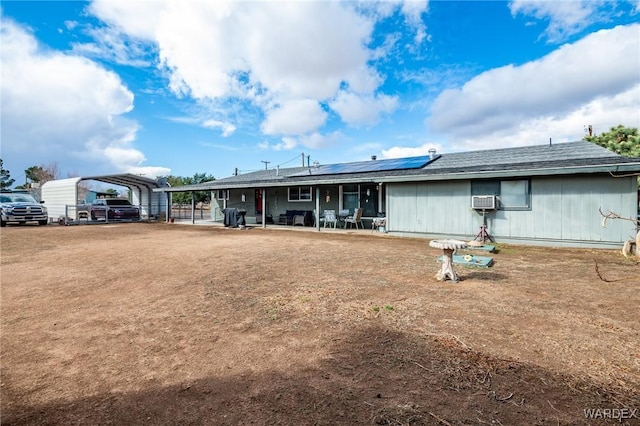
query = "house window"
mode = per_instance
[
  {"x": 511, "y": 194},
  {"x": 300, "y": 193},
  {"x": 515, "y": 195},
  {"x": 222, "y": 194}
]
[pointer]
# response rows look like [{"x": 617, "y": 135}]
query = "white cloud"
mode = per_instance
[
  {"x": 301, "y": 50},
  {"x": 565, "y": 17},
  {"x": 287, "y": 143},
  {"x": 318, "y": 140},
  {"x": 603, "y": 113},
  {"x": 512, "y": 102},
  {"x": 111, "y": 46},
  {"x": 294, "y": 118},
  {"x": 283, "y": 58},
  {"x": 138, "y": 19},
  {"x": 357, "y": 110},
  {"x": 416, "y": 151},
  {"x": 312, "y": 141},
  {"x": 227, "y": 128},
  {"x": 62, "y": 107},
  {"x": 413, "y": 11}
]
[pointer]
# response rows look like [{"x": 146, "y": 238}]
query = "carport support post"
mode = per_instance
[
  {"x": 169, "y": 209},
  {"x": 193, "y": 207},
  {"x": 317, "y": 218},
  {"x": 264, "y": 207}
]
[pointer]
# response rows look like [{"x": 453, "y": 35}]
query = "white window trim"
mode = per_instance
[{"x": 298, "y": 200}]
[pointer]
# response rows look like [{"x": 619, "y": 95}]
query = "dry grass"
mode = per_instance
[{"x": 154, "y": 323}]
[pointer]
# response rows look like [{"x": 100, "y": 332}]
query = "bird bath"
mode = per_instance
[{"x": 447, "y": 247}]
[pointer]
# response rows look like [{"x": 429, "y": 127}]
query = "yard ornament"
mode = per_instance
[{"x": 630, "y": 247}]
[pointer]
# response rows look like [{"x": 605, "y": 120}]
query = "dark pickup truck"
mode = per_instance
[
  {"x": 20, "y": 208},
  {"x": 117, "y": 208}
]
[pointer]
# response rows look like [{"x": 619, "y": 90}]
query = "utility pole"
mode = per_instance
[
  {"x": 302, "y": 159},
  {"x": 266, "y": 164}
]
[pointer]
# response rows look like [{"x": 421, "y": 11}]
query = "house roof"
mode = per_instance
[{"x": 549, "y": 159}]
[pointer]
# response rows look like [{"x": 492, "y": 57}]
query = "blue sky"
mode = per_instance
[{"x": 184, "y": 87}]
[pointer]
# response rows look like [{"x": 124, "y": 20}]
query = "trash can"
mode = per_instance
[{"x": 241, "y": 220}]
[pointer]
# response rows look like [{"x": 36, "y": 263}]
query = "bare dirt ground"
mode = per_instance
[{"x": 173, "y": 324}]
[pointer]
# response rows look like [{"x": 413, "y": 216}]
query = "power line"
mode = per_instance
[{"x": 289, "y": 161}]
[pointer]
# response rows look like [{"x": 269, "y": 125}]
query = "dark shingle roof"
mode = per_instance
[{"x": 552, "y": 159}]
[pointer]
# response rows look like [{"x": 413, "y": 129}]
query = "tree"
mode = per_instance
[
  {"x": 185, "y": 197},
  {"x": 5, "y": 177},
  {"x": 42, "y": 173},
  {"x": 621, "y": 140}
]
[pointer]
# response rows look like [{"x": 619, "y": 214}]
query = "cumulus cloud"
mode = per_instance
[
  {"x": 286, "y": 59},
  {"x": 603, "y": 113},
  {"x": 309, "y": 116},
  {"x": 138, "y": 19},
  {"x": 600, "y": 69},
  {"x": 62, "y": 106},
  {"x": 357, "y": 110},
  {"x": 415, "y": 151}
]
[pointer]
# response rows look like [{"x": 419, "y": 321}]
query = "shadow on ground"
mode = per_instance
[{"x": 372, "y": 376}]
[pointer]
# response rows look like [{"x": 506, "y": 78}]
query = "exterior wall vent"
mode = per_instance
[{"x": 483, "y": 202}]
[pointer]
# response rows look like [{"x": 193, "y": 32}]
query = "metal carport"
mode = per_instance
[{"x": 61, "y": 196}]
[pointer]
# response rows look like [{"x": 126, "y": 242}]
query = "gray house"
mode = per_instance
[{"x": 545, "y": 195}]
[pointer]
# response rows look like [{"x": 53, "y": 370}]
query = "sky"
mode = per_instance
[{"x": 179, "y": 87}]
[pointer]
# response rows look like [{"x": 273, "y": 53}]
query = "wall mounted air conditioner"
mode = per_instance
[{"x": 483, "y": 202}]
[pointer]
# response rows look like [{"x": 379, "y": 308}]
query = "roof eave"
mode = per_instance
[
  {"x": 570, "y": 170},
  {"x": 619, "y": 168}
]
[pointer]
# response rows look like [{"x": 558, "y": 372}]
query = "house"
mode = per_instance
[{"x": 547, "y": 195}]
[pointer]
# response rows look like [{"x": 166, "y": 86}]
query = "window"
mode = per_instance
[
  {"x": 300, "y": 193},
  {"x": 514, "y": 194},
  {"x": 222, "y": 194},
  {"x": 511, "y": 194}
]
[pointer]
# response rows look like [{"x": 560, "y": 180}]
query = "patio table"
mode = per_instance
[{"x": 448, "y": 247}]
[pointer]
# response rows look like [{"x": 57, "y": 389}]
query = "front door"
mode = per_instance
[{"x": 258, "y": 201}]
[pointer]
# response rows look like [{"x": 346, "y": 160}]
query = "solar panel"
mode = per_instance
[{"x": 369, "y": 166}]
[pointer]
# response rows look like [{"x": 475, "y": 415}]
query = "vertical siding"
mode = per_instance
[
  {"x": 59, "y": 193},
  {"x": 435, "y": 207},
  {"x": 562, "y": 209}
]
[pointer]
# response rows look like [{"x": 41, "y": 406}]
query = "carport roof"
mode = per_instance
[{"x": 126, "y": 179}]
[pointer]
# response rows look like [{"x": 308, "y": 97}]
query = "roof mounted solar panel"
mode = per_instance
[{"x": 369, "y": 166}]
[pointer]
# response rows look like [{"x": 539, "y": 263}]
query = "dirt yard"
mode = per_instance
[{"x": 162, "y": 324}]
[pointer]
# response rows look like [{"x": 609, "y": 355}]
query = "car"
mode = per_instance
[
  {"x": 20, "y": 208},
  {"x": 117, "y": 208}
]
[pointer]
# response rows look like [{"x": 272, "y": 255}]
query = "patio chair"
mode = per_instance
[
  {"x": 356, "y": 219},
  {"x": 330, "y": 218},
  {"x": 298, "y": 220},
  {"x": 342, "y": 214},
  {"x": 377, "y": 223}
]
